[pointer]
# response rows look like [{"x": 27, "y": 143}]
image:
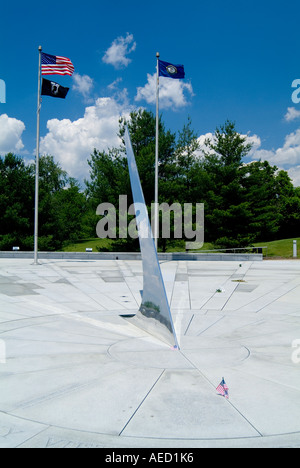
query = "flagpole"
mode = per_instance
[
  {"x": 156, "y": 218},
  {"x": 37, "y": 160}
]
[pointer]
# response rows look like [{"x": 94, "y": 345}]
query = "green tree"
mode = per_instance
[
  {"x": 109, "y": 178},
  {"x": 109, "y": 175},
  {"x": 260, "y": 189},
  {"x": 52, "y": 179},
  {"x": 16, "y": 201},
  {"x": 289, "y": 206},
  {"x": 273, "y": 201},
  {"x": 227, "y": 212},
  {"x": 183, "y": 186},
  {"x": 69, "y": 205},
  {"x": 58, "y": 219},
  {"x": 142, "y": 128}
]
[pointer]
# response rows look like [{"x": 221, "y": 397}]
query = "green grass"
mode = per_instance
[
  {"x": 83, "y": 244},
  {"x": 280, "y": 248},
  {"x": 106, "y": 244},
  {"x": 275, "y": 249}
]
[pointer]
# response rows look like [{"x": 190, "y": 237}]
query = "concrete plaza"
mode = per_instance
[{"x": 73, "y": 373}]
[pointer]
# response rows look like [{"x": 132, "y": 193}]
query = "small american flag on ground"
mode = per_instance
[
  {"x": 222, "y": 389},
  {"x": 56, "y": 65}
]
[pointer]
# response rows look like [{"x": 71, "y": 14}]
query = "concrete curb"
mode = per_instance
[{"x": 177, "y": 256}]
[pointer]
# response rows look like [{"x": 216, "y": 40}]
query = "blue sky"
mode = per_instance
[{"x": 240, "y": 59}]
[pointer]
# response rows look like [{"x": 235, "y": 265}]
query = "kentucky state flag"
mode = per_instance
[
  {"x": 51, "y": 88},
  {"x": 171, "y": 71}
]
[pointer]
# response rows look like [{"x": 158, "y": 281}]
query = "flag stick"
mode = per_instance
[
  {"x": 36, "y": 206},
  {"x": 156, "y": 219}
]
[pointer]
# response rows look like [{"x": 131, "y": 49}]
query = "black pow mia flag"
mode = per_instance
[{"x": 50, "y": 88}]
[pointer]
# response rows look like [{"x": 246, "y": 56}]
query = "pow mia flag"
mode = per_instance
[{"x": 50, "y": 88}]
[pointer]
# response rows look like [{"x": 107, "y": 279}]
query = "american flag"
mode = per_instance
[
  {"x": 222, "y": 389},
  {"x": 56, "y": 65}
]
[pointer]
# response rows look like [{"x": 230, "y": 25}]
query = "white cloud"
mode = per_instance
[
  {"x": 255, "y": 141},
  {"x": 114, "y": 85},
  {"x": 116, "y": 54},
  {"x": 11, "y": 131},
  {"x": 294, "y": 174},
  {"x": 118, "y": 94},
  {"x": 288, "y": 155},
  {"x": 292, "y": 114},
  {"x": 83, "y": 84},
  {"x": 203, "y": 148},
  {"x": 171, "y": 92},
  {"x": 286, "y": 158},
  {"x": 72, "y": 142}
]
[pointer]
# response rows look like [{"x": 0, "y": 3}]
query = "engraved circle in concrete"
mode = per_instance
[{"x": 74, "y": 373}]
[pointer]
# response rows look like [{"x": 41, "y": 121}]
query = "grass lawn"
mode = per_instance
[
  {"x": 280, "y": 248},
  {"x": 106, "y": 244},
  {"x": 275, "y": 249},
  {"x": 83, "y": 244}
]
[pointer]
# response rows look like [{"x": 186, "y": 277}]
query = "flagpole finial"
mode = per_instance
[
  {"x": 40, "y": 47},
  {"x": 157, "y": 54}
]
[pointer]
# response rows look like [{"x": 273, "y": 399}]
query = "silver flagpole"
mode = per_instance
[
  {"x": 156, "y": 218},
  {"x": 37, "y": 160}
]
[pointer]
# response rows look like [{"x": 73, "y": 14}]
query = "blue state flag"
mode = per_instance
[{"x": 170, "y": 70}]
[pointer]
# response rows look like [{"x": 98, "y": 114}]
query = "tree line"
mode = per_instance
[{"x": 244, "y": 203}]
